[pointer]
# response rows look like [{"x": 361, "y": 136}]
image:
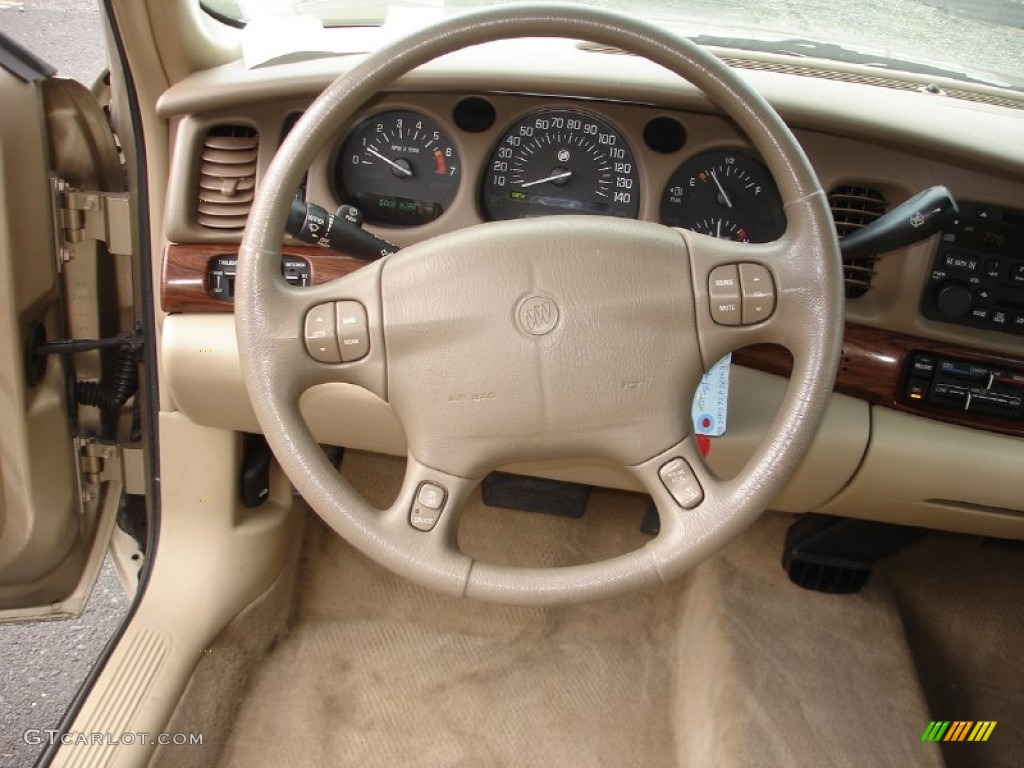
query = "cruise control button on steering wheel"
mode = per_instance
[{"x": 428, "y": 506}]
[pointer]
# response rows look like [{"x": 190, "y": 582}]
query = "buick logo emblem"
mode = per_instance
[{"x": 537, "y": 314}]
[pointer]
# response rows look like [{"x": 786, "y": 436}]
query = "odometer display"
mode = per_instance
[
  {"x": 398, "y": 168},
  {"x": 558, "y": 162}
]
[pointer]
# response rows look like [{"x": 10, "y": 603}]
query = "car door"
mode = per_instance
[{"x": 68, "y": 352}]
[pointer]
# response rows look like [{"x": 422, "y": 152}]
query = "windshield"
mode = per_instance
[{"x": 979, "y": 40}]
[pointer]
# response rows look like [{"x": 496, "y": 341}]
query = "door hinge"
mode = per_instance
[
  {"x": 86, "y": 215},
  {"x": 98, "y": 463}
]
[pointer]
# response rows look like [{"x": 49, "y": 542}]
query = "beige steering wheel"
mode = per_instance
[{"x": 569, "y": 336}]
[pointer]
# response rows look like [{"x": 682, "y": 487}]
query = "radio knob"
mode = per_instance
[{"x": 954, "y": 299}]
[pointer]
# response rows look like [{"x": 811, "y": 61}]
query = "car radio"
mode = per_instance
[{"x": 977, "y": 278}]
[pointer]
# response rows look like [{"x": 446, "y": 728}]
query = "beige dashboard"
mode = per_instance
[{"x": 874, "y": 457}]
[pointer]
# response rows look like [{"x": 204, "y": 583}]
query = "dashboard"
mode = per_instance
[{"x": 927, "y": 424}]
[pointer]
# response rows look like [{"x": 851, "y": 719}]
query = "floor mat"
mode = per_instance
[{"x": 730, "y": 666}]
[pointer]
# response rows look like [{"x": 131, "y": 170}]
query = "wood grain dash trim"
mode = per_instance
[{"x": 183, "y": 280}]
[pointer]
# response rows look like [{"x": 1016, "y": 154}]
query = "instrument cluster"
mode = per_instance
[{"x": 403, "y": 168}]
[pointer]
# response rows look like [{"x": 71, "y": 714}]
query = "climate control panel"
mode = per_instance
[
  {"x": 962, "y": 385},
  {"x": 977, "y": 278}
]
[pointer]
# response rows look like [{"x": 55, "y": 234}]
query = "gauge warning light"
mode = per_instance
[{"x": 440, "y": 166}]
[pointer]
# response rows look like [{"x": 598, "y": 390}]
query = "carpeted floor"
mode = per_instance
[
  {"x": 962, "y": 602},
  {"x": 731, "y": 666}
]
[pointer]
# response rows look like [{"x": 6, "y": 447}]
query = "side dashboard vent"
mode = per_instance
[
  {"x": 227, "y": 177},
  {"x": 854, "y": 207}
]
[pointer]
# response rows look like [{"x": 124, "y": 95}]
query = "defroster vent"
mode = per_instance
[
  {"x": 227, "y": 177},
  {"x": 854, "y": 207}
]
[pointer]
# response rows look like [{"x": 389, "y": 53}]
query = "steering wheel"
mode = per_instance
[{"x": 537, "y": 339}]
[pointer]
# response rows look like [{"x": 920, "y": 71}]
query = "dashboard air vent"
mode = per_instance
[
  {"x": 227, "y": 177},
  {"x": 852, "y": 208}
]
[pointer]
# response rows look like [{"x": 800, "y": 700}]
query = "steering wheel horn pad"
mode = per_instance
[{"x": 476, "y": 386}]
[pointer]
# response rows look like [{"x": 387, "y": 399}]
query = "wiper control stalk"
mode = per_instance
[
  {"x": 919, "y": 217},
  {"x": 340, "y": 231}
]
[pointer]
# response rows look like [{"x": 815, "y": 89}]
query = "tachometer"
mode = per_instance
[
  {"x": 729, "y": 195},
  {"x": 399, "y": 168},
  {"x": 561, "y": 161}
]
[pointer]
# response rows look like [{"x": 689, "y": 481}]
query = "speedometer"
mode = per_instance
[{"x": 561, "y": 161}]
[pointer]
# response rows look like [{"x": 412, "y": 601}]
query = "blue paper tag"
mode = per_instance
[{"x": 711, "y": 402}]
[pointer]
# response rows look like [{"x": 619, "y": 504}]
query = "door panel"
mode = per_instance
[{"x": 52, "y": 516}]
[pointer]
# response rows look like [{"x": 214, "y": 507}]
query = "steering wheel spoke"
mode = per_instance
[
  {"x": 749, "y": 293},
  {"x": 679, "y": 483},
  {"x": 430, "y": 502},
  {"x": 332, "y": 332},
  {"x": 422, "y": 527}
]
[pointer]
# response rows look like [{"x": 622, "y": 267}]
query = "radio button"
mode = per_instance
[
  {"x": 953, "y": 300},
  {"x": 320, "y": 334},
  {"x": 758, "y": 293},
  {"x": 353, "y": 331},
  {"x": 1000, "y": 318},
  {"x": 724, "y": 295},
  {"x": 961, "y": 262}
]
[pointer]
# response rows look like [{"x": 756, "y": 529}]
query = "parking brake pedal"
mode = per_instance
[{"x": 535, "y": 494}]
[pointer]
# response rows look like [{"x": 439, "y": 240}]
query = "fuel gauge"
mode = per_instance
[{"x": 729, "y": 195}]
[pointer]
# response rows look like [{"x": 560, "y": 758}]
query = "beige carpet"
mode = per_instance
[
  {"x": 962, "y": 601},
  {"x": 732, "y": 666}
]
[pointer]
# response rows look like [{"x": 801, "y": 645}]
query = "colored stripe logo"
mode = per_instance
[{"x": 958, "y": 730}]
